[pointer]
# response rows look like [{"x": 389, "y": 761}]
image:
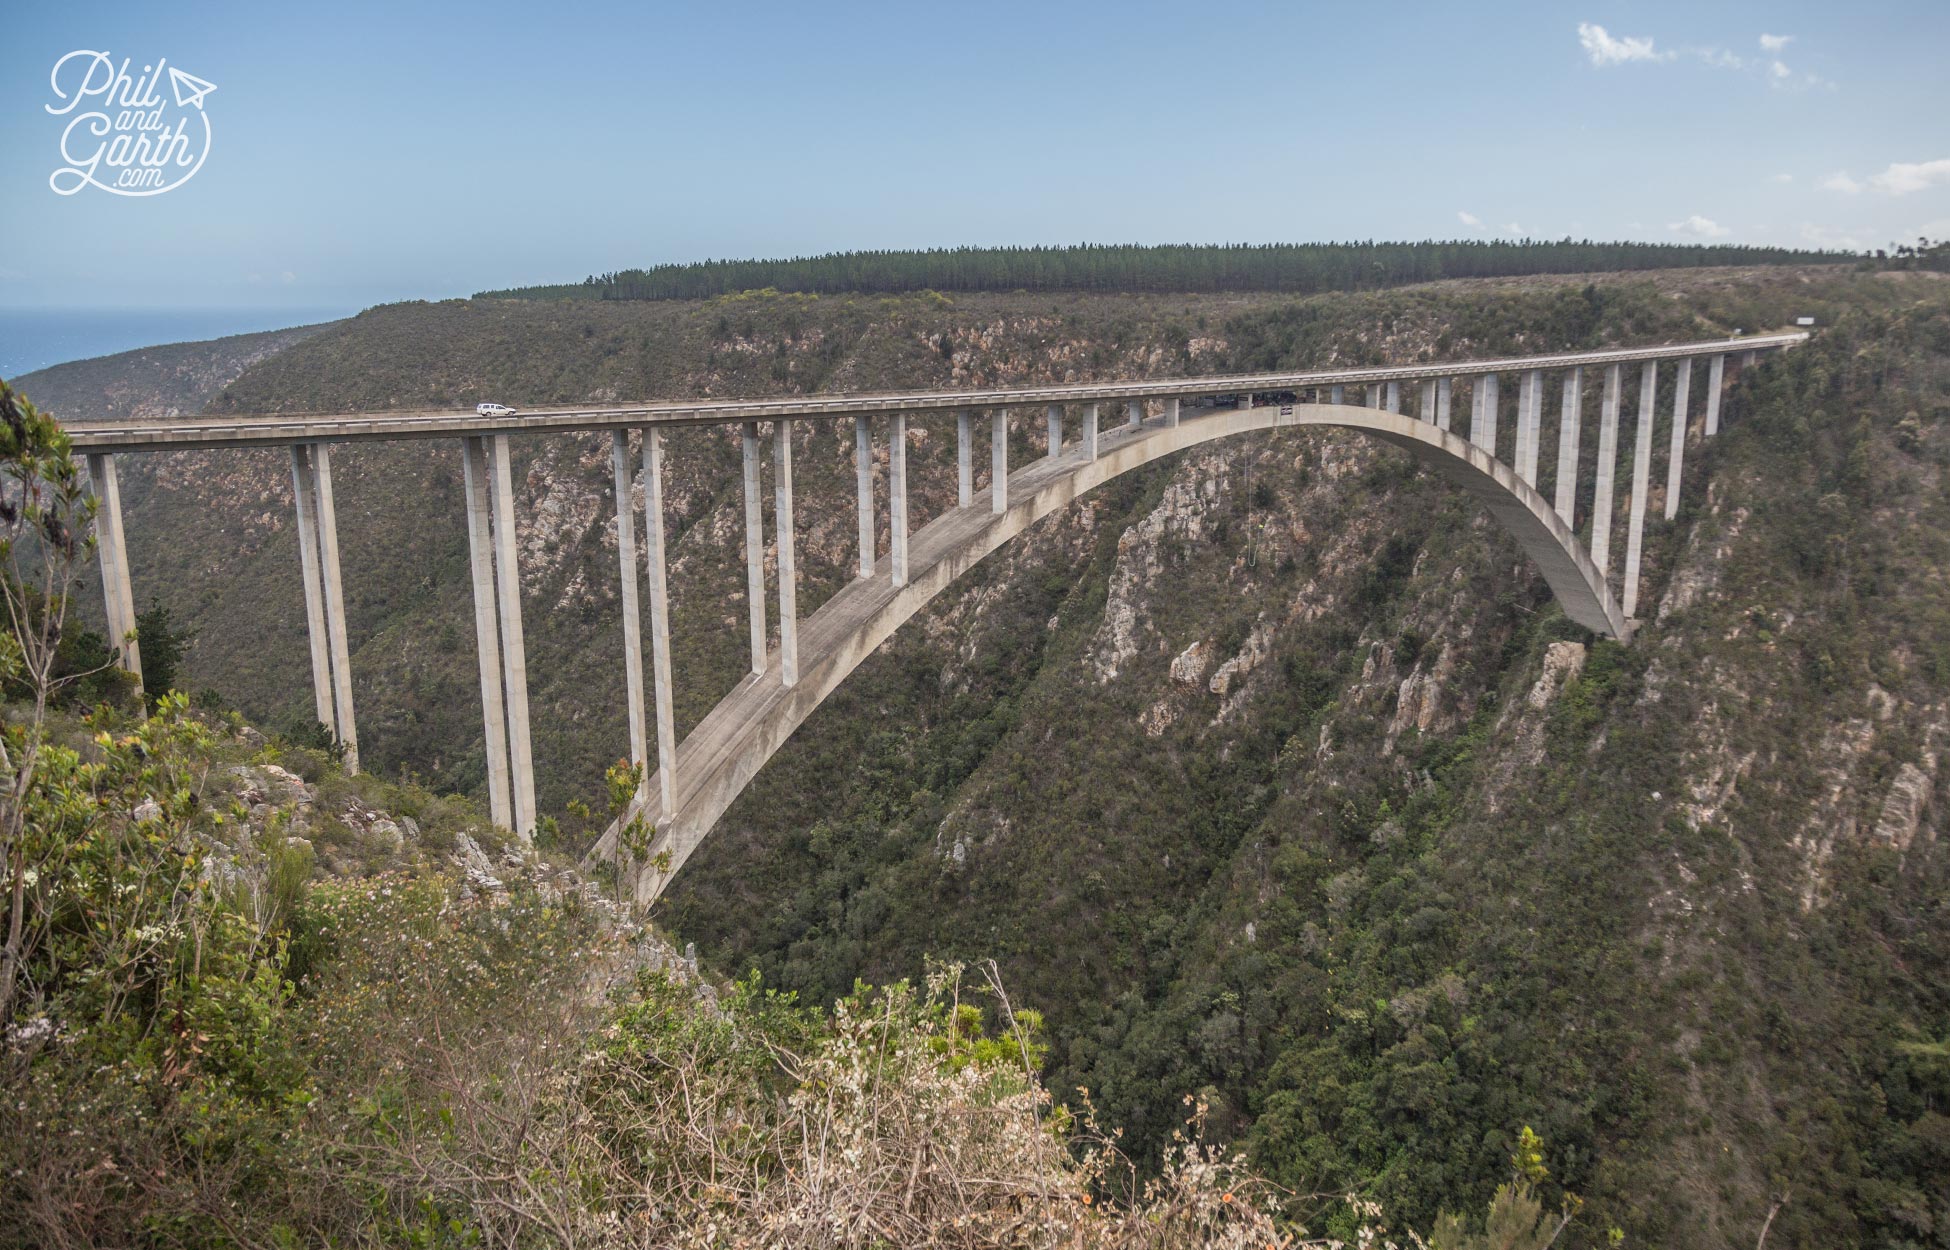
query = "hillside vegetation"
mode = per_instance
[
  {"x": 1270, "y": 774},
  {"x": 1297, "y": 268}
]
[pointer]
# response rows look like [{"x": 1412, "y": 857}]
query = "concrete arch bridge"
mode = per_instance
[{"x": 1459, "y": 427}]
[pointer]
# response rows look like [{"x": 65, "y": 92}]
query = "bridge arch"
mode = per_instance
[{"x": 726, "y": 750}]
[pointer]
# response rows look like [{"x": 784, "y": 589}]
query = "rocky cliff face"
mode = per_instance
[{"x": 1271, "y": 772}]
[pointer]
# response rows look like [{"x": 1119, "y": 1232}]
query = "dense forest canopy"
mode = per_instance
[{"x": 1298, "y": 267}]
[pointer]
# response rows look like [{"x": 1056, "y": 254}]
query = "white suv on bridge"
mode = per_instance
[{"x": 494, "y": 410}]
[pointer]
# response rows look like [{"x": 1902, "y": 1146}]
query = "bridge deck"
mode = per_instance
[{"x": 279, "y": 430}]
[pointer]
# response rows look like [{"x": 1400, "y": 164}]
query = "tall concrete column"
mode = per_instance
[
  {"x": 1374, "y": 394},
  {"x": 788, "y": 567},
  {"x": 1090, "y": 431},
  {"x": 1716, "y": 375},
  {"x": 1053, "y": 415},
  {"x": 1135, "y": 410},
  {"x": 487, "y": 628},
  {"x": 514, "y": 651},
  {"x": 965, "y": 457},
  {"x": 304, "y": 498},
  {"x": 863, "y": 480},
  {"x": 1171, "y": 412},
  {"x": 1483, "y": 402},
  {"x": 1682, "y": 396},
  {"x": 1607, "y": 464},
  {"x": 897, "y": 497},
  {"x": 1641, "y": 481},
  {"x": 1570, "y": 418},
  {"x": 754, "y": 548},
  {"x": 328, "y": 572},
  {"x": 1445, "y": 389},
  {"x": 1337, "y": 394},
  {"x": 1428, "y": 400},
  {"x": 999, "y": 460},
  {"x": 1530, "y": 420},
  {"x": 622, "y": 471},
  {"x": 113, "y": 552},
  {"x": 1394, "y": 397},
  {"x": 654, "y": 560}
]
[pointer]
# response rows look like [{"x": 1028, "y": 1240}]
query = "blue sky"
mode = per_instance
[{"x": 362, "y": 153}]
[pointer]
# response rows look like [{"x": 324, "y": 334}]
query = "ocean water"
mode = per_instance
[{"x": 34, "y": 338}]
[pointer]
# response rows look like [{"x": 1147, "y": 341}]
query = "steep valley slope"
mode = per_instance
[{"x": 1271, "y": 773}]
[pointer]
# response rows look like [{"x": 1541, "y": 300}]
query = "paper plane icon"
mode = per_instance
[{"x": 190, "y": 89}]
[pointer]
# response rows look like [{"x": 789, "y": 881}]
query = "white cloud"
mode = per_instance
[
  {"x": 1774, "y": 43},
  {"x": 1513, "y": 229},
  {"x": 1469, "y": 219},
  {"x": 1902, "y": 178},
  {"x": 1603, "y": 49},
  {"x": 1699, "y": 227},
  {"x": 1719, "y": 58},
  {"x": 287, "y": 276},
  {"x": 1782, "y": 178},
  {"x": 1778, "y": 72}
]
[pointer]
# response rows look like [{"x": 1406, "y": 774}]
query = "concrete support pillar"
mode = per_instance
[
  {"x": 654, "y": 560},
  {"x": 1337, "y": 394},
  {"x": 863, "y": 481},
  {"x": 304, "y": 498},
  {"x": 625, "y": 476},
  {"x": 1682, "y": 397},
  {"x": 1090, "y": 431},
  {"x": 1530, "y": 422},
  {"x": 1607, "y": 464},
  {"x": 1171, "y": 413},
  {"x": 1445, "y": 389},
  {"x": 965, "y": 457},
  {"x": 318, "y": 556},
  {"x": 1134, "y": 411},
  {"x": 897, "y": 496},
  {"x": 324, "y": 595},
  {"x": 1641, "y": 482},
  {"x": 514, "y": 651},
  {"x": 1428, "y": 400},
  {"x": 113, "y": 553},
  {"x": 1394, "y": 397},
  {"x": 1483, "y": 403},
  {"x": 999, "y": 460},
  {"x": 788, "y": 570},
  {"x": 1053, "y": 415},
  {"x": 487, "y": 628},
  {"x": 754, "y": 548},
  {"x": 347, "y": 725},
  {"x": 1374, "y": 394},
  {"x": 1716, "y": 376},
  {"x": 1570, "y": 418}
]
